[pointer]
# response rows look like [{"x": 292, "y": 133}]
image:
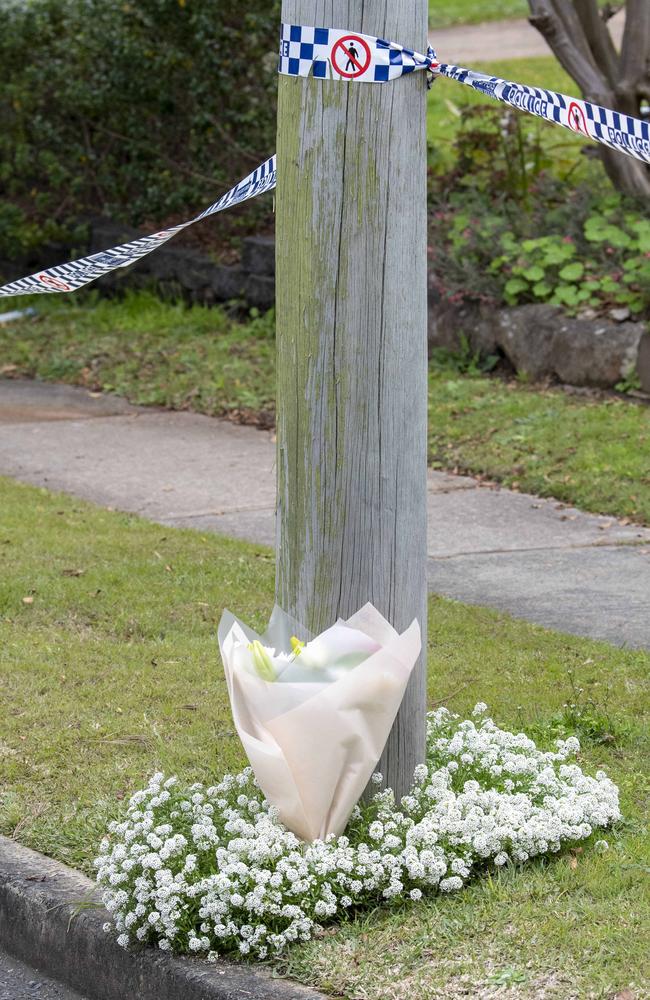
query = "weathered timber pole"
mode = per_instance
[{"x": 352, "y": 346}]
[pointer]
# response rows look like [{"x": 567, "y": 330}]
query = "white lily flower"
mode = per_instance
[
  {"x": 291, "y": 701},
  {"x": 331, "y": 654},
  {"x": 257, "y": 658},
  {"x": 324, "y": 659}
]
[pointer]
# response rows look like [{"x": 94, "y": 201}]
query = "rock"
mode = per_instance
[
  {"x": 449, "y": 322},
  {"x": 643, "y": 362},
  {"x": 259, "y": 291},
  {"x": 620, "y": 315},
  {"x": 543, "y": 342},
  {"x": 173, "y": 271},
  {"x": 526, "y": 335},
  {"x": 258, "y": 255}
]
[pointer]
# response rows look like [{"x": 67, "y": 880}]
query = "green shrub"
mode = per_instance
[
  {"x": 144, "y": 110},
  {"x": 510, "y": 224}
]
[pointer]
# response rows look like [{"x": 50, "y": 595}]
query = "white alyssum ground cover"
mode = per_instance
[{"x": 211, "y": 870}]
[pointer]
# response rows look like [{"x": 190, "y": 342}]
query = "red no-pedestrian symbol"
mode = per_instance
[
  {"x": 51, "y": 281},
  {"x": 351, "y": 56},
  {"x": 577, "y": 118}
]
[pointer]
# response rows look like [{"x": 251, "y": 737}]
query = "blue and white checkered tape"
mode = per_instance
[
  {"x": 335, "y": 54},
  {"x": 610, "y": 128}
]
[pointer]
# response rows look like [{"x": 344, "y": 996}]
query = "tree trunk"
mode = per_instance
[
  {"x": 627, "y": 175},
  {"x": 352, "y": 347},
  {"x": 577, "y": 32}
]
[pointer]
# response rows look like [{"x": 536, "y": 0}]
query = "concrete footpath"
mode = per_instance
[
  {"x": 467, "y": 44},
  {"x": 537, "y": 559}
]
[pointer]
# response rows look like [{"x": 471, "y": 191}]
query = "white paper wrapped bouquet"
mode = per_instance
[{"x": 314, "y": 714}]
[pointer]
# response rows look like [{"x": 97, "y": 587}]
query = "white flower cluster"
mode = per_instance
[{"x": 211, "y": 870}]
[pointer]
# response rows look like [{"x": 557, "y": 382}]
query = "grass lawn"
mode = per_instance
[
  {"x": 153, "y": 353},
  {"x": 594, "y": 453},
  {"x": 447, "y": 12},
  {"x": 443, "y": 13},
  {"x": 109, "y": 670}
]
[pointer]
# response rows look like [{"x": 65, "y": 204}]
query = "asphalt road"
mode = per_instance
[{"x": 20, "y": 982}]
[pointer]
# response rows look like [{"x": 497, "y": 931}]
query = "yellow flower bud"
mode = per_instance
[{"x": 262, "y": 661}]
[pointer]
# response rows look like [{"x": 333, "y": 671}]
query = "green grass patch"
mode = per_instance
[
  {"x": 591, "y": 452},
  {"x": 443, "y": 13},
  {"x": 109, "y": 670},
  {"x": 155, "y": 353},
  {"x": 109, "y": 660},
  {"x": 446, "y": 13}
]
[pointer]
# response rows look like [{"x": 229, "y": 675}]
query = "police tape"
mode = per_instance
[
  {"x": 332, "y": 54},
  {"x": 610, "y": 128},
  {"x": 336, "y": 54},
  {"x": 76, "y": 274}
]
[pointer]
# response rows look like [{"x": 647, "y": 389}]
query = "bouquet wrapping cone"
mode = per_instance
[{"x": 314, "y": 741}]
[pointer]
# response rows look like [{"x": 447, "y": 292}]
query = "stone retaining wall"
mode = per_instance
[
  {"x": 539, "y": 340},
  {"x": 177, "y": 271},
  {"x": 172, "y": 270},
  {"x": 543, "y": 342}
]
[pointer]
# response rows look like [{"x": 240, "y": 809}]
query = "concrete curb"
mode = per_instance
[{"x": 52, "y": 917}]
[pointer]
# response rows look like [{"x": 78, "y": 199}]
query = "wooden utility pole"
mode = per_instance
[{"x": 352, "y": 346}]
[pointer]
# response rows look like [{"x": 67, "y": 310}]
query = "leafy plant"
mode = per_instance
[
  {"x": 510, "y": 976},
  {"x": 465, "y": 360},
  {"x": 504, "y": 226},
  {"x": 632, "y": 383},
  {"x": 583, "y": 716},
  {"x": 555, "y": 269}
]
